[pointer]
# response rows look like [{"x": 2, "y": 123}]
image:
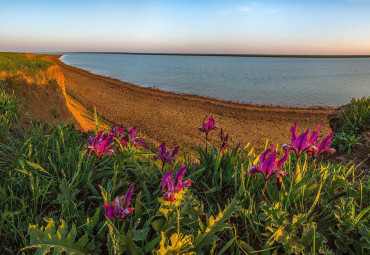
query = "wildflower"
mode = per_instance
[
  {"x": 117, "y": 132},
  {"x": 269, "y": 165},
  {"x": 303, "y": 142},
  {"x": 320, "y": 147},
  {"x": 208, "y": 126},
  {"x": 100, "y": 144},
  {"x": 224, "y": 141},
  {"x": 164, "y": 154},
  {"x": 174, "y": 186},
  {"x": 130, "y": 137},
  {"x": 116, "y": 210}
]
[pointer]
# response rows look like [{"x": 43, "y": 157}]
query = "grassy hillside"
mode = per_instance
[
  {"x": 57, "y": 184},
  {"x": 13, "y": 64}
]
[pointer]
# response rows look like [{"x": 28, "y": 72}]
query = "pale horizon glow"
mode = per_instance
[{"x": 337, "y": 27}]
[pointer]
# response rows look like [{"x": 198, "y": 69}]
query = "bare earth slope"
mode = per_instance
[{"x": 174, "y": 118}]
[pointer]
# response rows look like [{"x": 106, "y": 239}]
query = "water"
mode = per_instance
[{"x": 261, "y": 80}]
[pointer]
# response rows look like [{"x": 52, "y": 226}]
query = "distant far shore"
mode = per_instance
[{"x": 222, "y": 55}]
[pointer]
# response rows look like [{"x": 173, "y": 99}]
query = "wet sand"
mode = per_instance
[{"x": 175, "y": 118}]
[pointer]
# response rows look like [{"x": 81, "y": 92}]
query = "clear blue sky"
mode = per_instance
[{"x": 187, "y": 26}]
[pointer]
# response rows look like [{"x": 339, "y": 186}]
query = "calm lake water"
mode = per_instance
[{"x": 261, "y": 80}]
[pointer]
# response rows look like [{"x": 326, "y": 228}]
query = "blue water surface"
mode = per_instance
[{"x": 261, "y": 80}]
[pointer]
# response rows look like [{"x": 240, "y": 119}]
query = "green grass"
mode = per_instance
[
  {"x": 52, "y": 200},
  {"x": 357, "y": 113},
  {"x": 356, "y": 117},
  {"x": 12, "y": 63}
]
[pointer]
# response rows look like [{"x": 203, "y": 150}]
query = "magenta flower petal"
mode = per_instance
[
  {"x": 100, "y": 144},
  {"x": 324, "y": 145},
  {"x": 179, "y": 176},
  {"x": 175, "y": 186},
  {"x": 186, "y": 183},
  {"x": 116, "y": 210},
  {"x": 162, "y": 148},
  {"x": 281, "y": 161},
  {"x": 126, "y": 212},
  {"x": 254, "y": 170},
  {"x": 164, "y": 154},
  {"x": 314, "y": 135},
  {"x": 208, "y": 126},
  {"x": 165, "y": 179},
  {"x": 129, "y": 194},
  {"x": 109, "y": 211},
  {"x": 265, "y": 154},
  {"x": 293, "y": 130},
  {"x": 175, "y": 152},
  {"x": 270, "y": 164}
]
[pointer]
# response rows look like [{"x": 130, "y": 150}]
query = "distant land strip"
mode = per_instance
[{"x": 230, "y": 55}]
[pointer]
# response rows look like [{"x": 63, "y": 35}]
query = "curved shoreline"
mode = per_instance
[
  {"x": 202, "y": 97},
  {"x": 171, "y": 117}
]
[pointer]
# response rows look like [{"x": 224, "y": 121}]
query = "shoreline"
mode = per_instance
[
  {"x": 203, "y": 97},
  {"x": 174, "y": 118}
]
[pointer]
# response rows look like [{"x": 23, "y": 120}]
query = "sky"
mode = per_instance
[{"x": 187, "y": 26}]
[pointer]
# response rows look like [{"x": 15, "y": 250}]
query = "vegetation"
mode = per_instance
[
  {"x": 57, "y": 184},
  {"x": 14, "y": 64},
  {"x": 356, "y": 117}
]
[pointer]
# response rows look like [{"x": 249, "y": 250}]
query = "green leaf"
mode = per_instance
[
  {"x": 226, "y": 246},
  {"x": 138, "y": 207},
  {"x": 214, "y": 225},
  {"x": 245, "y": 246},
  {"x": 362, "y": 213},
  {"x": 48, "y": 238}
]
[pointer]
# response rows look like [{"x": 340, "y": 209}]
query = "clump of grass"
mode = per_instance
[
  {"x": 55, "y": 113},
  {"x": 356, "y": 117},
  {"x": 357, "y": 113},
  {"x": 9, "y": 111}
]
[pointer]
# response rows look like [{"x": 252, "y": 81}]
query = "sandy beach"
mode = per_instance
[{"x": 175, "y": 118}]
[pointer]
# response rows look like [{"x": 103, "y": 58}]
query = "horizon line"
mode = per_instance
[{"x": 214, "y": 54}]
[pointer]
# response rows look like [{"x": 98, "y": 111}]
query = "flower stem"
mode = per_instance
[
  {"x": 296, "y": 167},
  {"x": 206, "y": 143},
  {"x": 264, "y": 189},
  {"x": 94, "y": 191}
]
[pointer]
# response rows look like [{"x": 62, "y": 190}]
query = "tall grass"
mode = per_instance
[
  {"x": 52, "y": 195},
  {"x": 13, "y": 64}
]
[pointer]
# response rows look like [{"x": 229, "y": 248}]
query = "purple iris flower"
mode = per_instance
[
  {"x": 100, "y": 144},
  {"x": 269, "y": 165},
  {"x": 208, "y": 126},
  {"x": 118, "y": 210},
  {"x": 174, "y": 186},
  {"x": 320, "y": 147},
  {"x": 303, "y": 142},
  {"x": 130, "y": 137},
  {"x": 117, "y": 132},
  {"x": 165, "y": 155}
]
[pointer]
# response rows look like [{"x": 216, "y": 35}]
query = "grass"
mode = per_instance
[
  {"x": 52, "y": 194},
  {"x": 357, "y": 113},
  {"x": 55, "y": 113},
  {"x": 13, "y": 64},
  {"x": 356, "y": 117}
]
